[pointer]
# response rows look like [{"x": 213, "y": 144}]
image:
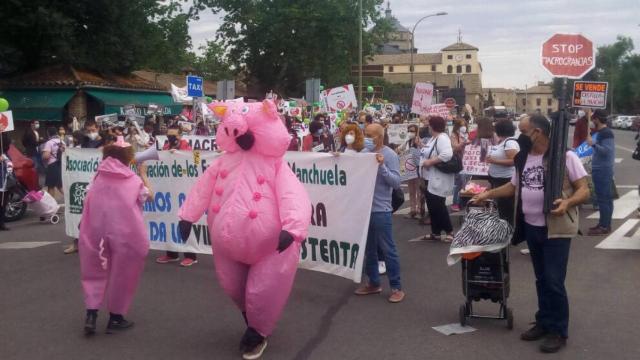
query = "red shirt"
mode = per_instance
[
  {"x": 580, "y": 132},
  {"x": 184, "y": 145}
]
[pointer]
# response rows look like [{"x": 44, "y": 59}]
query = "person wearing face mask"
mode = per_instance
[
  {"x": 175, "y": 142},
  {"x": 52, "y": 155},
  {"x": 318, "y": 140},
  {"x": 459, "y": 139},
  {"x": 351, "y": 139},
  {"x": 413, "y": 145},
  {"x": 501, "y": 159},
  {"x": 439, "y": 185},
  {"x": 548, "y": 235},
  {"x": 31, "y": 141},
  {"x": 425, "y": 134},
  {"x": 380, "y": 226},
  {"x": 92, "y": 138}
]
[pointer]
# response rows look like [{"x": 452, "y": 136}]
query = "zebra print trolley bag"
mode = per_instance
[{"x": 482, "y": 246}]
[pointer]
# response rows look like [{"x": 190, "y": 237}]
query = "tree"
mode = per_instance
[
  {"x": 490, "y": 100},
  {"x": 106, "y": 35},
  {"x": 213, "y": 63},
  {"x": 278, "y": 44}
]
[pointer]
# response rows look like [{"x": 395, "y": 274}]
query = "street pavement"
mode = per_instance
[{"x": 183, "y": 313}]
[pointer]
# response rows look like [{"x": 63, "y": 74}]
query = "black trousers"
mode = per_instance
[
  {"x": 440, "y": 220},
  {"x": 175, "y": 255},
  {"x": 505, "y": 205},
  {"x": 4, "y": 200}
]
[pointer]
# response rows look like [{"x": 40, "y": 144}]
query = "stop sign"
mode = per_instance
[{"x": 568, "y": 55}]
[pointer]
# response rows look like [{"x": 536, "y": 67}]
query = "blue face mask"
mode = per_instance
[
  {"x": 369, "y": 144},
  {"x": 361, "y": 126}
]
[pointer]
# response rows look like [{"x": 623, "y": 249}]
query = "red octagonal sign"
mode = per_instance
[{"x": 568, "y": 55}]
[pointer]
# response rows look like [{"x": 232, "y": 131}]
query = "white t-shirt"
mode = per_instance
[{"x": 498, "y": 152}]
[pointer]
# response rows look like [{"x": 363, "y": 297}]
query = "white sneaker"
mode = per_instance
[
  {"x": 524, "y": 251},
  {"x": 382, "y": 267}
]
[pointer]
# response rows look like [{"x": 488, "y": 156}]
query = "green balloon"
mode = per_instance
[
  {"x": 370, "y": 88},
  {"x": 4, "y": 104},
  {"x": 321, "y": 87},
  {"x": 208, "y": 99},
  {"x": 317, "y": 104}
]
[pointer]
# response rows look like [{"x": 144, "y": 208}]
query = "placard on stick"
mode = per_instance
[{"x": 590, "y": 94}]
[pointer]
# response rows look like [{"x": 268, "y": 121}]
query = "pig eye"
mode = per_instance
[{"x": 245, "y": 110}]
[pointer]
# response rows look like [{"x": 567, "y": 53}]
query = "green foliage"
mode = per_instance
[
  {"x": 212, "y": 64},
  {"x": 106, "y": 35},
  {"x": 490, "y": 101},
  {"x": 278, "y": 44}
]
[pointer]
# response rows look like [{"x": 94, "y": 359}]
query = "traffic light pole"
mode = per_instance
[{"x": 556, "y": 165}]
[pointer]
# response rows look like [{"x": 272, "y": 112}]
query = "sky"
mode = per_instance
[{"x": 509, "y": 33}]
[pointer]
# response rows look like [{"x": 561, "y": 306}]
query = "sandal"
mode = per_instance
[
  {"x": 448, "y": 238},
  {"x": 431, "y": 237}
]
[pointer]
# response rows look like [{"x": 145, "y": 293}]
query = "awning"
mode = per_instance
[
  {"x": 43, "y": 105},
  {"x": 115, "y": 100}
]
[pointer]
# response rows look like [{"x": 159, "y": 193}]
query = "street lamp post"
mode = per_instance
[{"x": 412, "y": 40}]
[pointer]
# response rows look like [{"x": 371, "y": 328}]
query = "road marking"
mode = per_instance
[
  {"x": 622, "y": 207},
  {"x": 403, "y": 211},
  {"x": 25, "y": 244},
  {"x": 418, "y": 239},
  {"x": 627, "y": 186},
  {"x": 619, "y": 240},
  {"x": 625, "y": 148},
  {"x": 618, "y": 160}
]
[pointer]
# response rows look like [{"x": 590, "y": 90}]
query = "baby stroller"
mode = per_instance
[
  {"x": 44, "y": 205},
  {"x": 482, "y": 246}
]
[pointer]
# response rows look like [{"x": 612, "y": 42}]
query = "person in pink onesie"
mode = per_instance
[
  {"x": 258, "y": 214},
  {"x": 113, "y": 239}
]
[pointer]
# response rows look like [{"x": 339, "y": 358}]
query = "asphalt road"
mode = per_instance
[{"x": 183, "y": 313}]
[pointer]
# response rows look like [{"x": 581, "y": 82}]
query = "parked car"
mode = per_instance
[
  {"x": 627, "y": 122},
  {"x": 619, "y": 121},
  {"x": 635, "y": 123}
]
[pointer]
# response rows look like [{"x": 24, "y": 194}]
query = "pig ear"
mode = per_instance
[
  {"x": 270, "y": 108},
  {"x": 218, "y": 108}
]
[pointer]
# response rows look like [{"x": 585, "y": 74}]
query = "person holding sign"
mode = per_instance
[
  {"x": 604, "y": 152},
  {"x": 351, "y": 139},
  {"x": 413, "y": 146},
  {"x": 113, "y": 237},
  {"x": 548, "y": 235},
  {"x": 380, "y": 235},
  {"x": 319, "y": 139}
]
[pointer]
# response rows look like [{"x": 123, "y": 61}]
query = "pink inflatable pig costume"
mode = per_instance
[
  {"x": 258, "y": 215},
  {"x": 113, "y": 240}
]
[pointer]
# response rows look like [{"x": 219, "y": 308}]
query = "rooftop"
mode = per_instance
[
  {"x": 405, "y": 59},
  {"x": 460, "y": 46}
]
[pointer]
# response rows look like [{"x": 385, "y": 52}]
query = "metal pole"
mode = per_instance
[
  {"x": 412, "y": 47},
  {"x": 554, "y": 174},
  {"x": 360, "y": 55}
]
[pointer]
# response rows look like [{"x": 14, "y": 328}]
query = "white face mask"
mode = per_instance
[
  {"x": 349, "y": 139},
  {"x": 36, "y": 126},
  {"x": 463, "y": 129},
  {"x": 411, "y": 135},
  {"x": 93, "y": 135}
]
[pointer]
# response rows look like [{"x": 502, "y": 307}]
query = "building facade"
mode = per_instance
[{"x": 536, "y": 99}]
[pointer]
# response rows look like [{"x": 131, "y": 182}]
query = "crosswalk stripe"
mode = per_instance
[
  {"x": 619, "y": 240},
  {"x": 618, "y": 160},
  {"x": 25, "y": 244},
  {"x": 622, "y": 207}
]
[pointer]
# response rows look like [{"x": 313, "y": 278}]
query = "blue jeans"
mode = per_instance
[
  {"x": 550, "y": 258},
  {"x": 602, "y": 183},
  {"x": 380, "y": 237}
]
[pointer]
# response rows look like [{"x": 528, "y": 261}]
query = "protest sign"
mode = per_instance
[
  {"x": 585, "y": 149},
  {"x": 438, "y": 110},
  {"x": 473, "y": 161},
  {"x": 180, "y": 96},
  {"x": 197, "y": 142},
  {"x": 408, "y": 168},
  {"x": 397, "y": 133},
  {"x": 6, "y": 121},
  {"x": 107, "y": 120},
  {"x": 340, "y": 98},
  {"x": 590, "y": 94},
  {"x": 340, "y": 189},
  {"x": 422, "y": 97}
]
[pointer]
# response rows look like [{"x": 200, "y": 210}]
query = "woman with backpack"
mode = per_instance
[
  {"x": 501, "y": 164},
  {"x": 52, "y": 157}
]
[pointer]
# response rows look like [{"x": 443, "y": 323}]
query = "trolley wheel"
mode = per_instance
[
  {"x": 509, "y": 319},
  {"x": 463, "y": 315},
  {"x": 55, "y": 219}
]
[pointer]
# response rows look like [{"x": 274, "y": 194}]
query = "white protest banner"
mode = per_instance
[
  {"x": 340, "y": 189},
  {"x": 197, "y": 142},
  {"x": 473, "y": 161},
  {"x": 340, "y": 98},
  {"x": 408, "y": 168},
  {"x": 422, "y": 97},
  {"x": 438, "y": 110},
  {"x": 397, "y": 133},
  {"x": 6, "y": 121},
  {"x": 179, "y": 95}
]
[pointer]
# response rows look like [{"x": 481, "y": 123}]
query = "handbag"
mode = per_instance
[
  {"x": 452, "y": 166},
  {"x": 397, "y": 199}
]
